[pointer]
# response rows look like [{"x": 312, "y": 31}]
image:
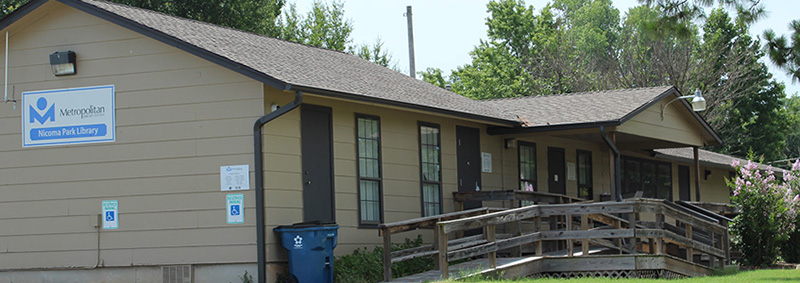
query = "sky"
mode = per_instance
[{"x": 445, "y": 31}]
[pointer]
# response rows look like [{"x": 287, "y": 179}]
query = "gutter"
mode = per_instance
[
  {"x": 258, "y": 156},
  {"x": 617, "y": 167},
  {"x": 493, "y": 131}
]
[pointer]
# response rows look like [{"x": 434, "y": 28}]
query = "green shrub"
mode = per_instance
[{"x": 367, "y": 266}]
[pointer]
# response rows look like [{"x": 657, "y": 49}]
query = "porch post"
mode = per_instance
[
  {"x": 696, "y": 174},
  {"x": 615, "y": 163}
]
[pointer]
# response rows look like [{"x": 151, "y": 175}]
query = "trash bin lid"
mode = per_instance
[{"x": 305, "y": 226}]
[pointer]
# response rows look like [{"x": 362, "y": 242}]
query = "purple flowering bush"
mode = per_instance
[{"x": 769, "y": 207}]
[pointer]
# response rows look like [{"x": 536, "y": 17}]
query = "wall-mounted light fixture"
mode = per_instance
[
  {"x": 510, "y": 143},
  {"x": 698, "y": 102},
  {"x": 63, "y": 63}
]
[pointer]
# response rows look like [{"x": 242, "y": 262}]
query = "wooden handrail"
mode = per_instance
[
  {"x": 387, "y": 229},
  {"x": 600, "y": 212},
  {"x": 430, "y": 221},
  {"x": 516, "y": 214}
]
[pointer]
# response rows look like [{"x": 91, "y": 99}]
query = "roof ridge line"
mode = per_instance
[{"x": 575, "y": 93}]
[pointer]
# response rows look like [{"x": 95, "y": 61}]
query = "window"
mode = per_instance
[
  {"x": 527, "y": 168},
  {"x": 585, "y": 175},
  {"x": 430, "y": 168},
  {"x": 653, "y": 178},
  {"x": 368, "y": 136}
]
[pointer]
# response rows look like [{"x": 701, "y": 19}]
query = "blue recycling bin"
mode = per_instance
[{"x": 310, "y": 247}]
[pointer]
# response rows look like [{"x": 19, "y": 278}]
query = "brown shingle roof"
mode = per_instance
[
  {"x": 580, "y": 108},
  {"x": 298, "y": 65}
]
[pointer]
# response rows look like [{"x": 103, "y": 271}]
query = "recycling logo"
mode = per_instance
[{"x": 298, "y": 242}]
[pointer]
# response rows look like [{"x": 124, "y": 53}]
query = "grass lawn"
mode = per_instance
[{"x": 765, "y": 275}]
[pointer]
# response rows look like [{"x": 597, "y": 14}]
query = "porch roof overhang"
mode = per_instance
[{"x": 633, "y": 115}]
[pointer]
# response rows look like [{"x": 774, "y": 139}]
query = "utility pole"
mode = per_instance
[{"x": 411, "y": 69}]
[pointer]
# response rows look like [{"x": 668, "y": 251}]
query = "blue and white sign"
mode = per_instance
[
  {"x": 68, "y": 116},
  {"x": 110, "y": 214},
  {"x": 235, "y": 208}
]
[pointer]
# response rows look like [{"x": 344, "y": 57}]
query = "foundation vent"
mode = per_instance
[{"x": 177, "y": 274}]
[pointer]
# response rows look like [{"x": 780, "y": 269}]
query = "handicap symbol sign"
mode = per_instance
[
  {"x": 235, "y": 209},
  {"x": 109, "y": 216}
]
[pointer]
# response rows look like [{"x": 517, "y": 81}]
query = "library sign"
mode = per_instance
[{"x": 68, "y": 116}]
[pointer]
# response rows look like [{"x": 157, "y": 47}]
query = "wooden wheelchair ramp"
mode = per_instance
[{"x": 634, "y": 238}]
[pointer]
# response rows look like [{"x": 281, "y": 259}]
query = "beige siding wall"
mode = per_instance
[
  {"x": 676, "y": 125},
  {"x": 178, "y": 119},
  {"x": 600, "y": 163},
  {"x": 400, "y": 161}
]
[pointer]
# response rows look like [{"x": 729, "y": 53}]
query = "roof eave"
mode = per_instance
[
  {"x": 367, "y": 99},
  {"x": 20, "y": 12},
  {"x": 522, "y": 130}
]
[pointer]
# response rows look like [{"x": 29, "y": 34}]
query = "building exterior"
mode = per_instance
[{"x": 366, "y": 145}]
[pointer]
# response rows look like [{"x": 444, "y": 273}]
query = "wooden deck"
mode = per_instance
[{"x": 641, "y": 238}]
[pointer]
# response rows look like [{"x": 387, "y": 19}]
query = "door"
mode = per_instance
[
  {"x": 556, "y": 181},
  {"x": 468, "y": 155},
  {"x": 683, "y": 183},
  {"x": 317, "y": 145}
]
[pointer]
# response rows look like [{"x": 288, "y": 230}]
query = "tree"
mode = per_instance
[
  {"x": 745, "y": 105},
  {"x": 256, "y": 16},
  {"x": 645, "y": 59},
  {"x": 792, "y": 150},
  {"x": 567, "y": 47},
  {"x": 8, "y": 6},
  {"x": 675, "y": 14},
  {"x": 783, "y": 53},
  {"x": 325, "y": 26},
  {"x": 375, "y": 53}
]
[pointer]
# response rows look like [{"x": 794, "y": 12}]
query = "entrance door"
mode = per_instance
[
  {"x": 317, "y": 144},
  {"x": 683, "y": 183},
  {"x": 556, "y": 181},
  {"x": 468, "y": 154}
]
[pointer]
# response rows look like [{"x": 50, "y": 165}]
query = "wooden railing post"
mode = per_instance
[
  {"x": 618, "y": 225},
  {"x": 537, "y": 222},
  {"x": 442, "y": 241},
  {"x": 712, "y": 258},
  {"x": 436, "y": 245},
  {"x": 659, "y": 241},
  {"x": 689, "y": 251},
  {"x": 490, "y": 237},
  {"x": 568, "y": 221},
  {"x": 585, "y": 241},
  {"x": 726, "y": 243},
  {"x": 632, "y": 225},
  {"x": 387, "y": 254}
]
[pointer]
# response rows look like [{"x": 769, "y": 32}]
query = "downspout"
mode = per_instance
[
  {"x": 259, "y": 172},
  {"x": 617, "y": 178}
]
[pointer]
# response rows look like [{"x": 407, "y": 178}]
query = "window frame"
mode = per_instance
[
  {"x": 624, "y": 164},
  {"x": 361, "y": 222},
  {"x": 535, "y": 179},
  {"x": 590, "y": 179},
  {"x": 422, "y": 181}
]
